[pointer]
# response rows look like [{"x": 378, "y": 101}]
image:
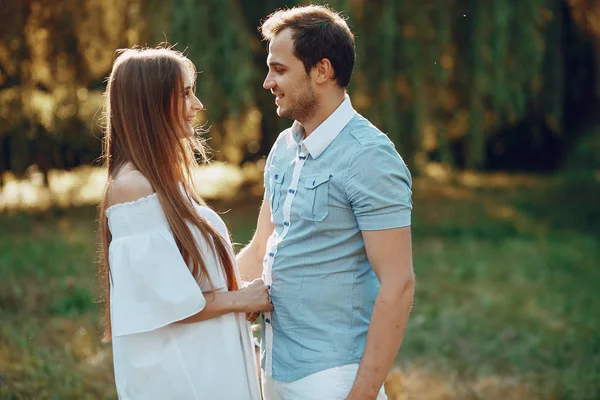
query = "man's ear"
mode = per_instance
[{"x": 324, "y": 71}]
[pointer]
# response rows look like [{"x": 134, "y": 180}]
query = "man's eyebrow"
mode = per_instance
[{"x": 275, "y": 64}]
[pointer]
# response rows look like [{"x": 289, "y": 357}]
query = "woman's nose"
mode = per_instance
[{"x": 200, "y": 105}]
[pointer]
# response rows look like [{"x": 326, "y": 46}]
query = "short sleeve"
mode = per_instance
[
  {"x": 379, "y": 187},
  {"x": 151, "y": 285}
]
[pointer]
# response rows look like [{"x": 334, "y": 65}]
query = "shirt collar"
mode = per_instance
[{"x": 325, "y": 133}]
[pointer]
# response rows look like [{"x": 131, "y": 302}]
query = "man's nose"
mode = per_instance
[{"x": 269, "y": 83}]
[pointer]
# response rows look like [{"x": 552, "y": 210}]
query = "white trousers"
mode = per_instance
[{"x": 330, "y": 384}]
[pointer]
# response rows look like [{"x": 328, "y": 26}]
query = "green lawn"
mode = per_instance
[{"x": 507, "y": 303}]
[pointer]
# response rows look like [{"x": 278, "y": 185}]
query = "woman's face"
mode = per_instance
[{"x": 191, "y": 104}]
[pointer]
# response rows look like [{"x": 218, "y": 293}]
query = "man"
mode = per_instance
[{"x": 333, "y": 236}]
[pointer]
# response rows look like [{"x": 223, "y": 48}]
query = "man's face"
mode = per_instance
[{"x": 288, "y": 81}]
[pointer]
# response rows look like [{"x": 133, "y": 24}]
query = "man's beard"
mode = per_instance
[{"x": 305, "y": 107}]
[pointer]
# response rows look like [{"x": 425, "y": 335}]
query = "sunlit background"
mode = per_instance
[{"x": 494, "y": 105}]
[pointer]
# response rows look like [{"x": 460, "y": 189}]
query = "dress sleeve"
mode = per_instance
[{"x": 151, "y": 285}]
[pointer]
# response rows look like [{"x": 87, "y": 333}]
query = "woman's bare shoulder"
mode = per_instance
[{"x": 129, "y": 186}]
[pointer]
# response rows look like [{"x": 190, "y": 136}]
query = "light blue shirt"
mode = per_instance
[{"x": 346, "y": 177}]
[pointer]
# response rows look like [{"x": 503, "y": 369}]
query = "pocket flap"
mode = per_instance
[
  {"x": 277, "y": 176},
  {"x": 316, "y": 180}
]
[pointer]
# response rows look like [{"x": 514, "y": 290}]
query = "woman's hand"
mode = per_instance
[
  {"x": 255, "y": 298},
  {"x": 252, "y": 316}
]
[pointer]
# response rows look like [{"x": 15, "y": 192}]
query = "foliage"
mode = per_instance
[{"x": 468, "y": 84}]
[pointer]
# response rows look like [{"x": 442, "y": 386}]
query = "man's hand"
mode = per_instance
[
  {"x": 356, "y": 396},
  {"x": 390, "y": 254}
]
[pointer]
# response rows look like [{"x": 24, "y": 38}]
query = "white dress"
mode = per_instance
[{"x": 151, "y": 288}]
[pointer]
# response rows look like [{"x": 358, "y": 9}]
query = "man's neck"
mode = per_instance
[{"x": 329, "y": 103}]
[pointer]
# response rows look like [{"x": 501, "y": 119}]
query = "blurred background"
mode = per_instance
[{"x": 493, "y": 105}]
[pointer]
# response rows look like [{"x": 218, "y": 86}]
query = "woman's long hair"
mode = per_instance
[{"x": 145, "y": 126}]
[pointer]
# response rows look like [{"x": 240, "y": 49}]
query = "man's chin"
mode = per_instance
[{"x": 283, "y": 113}]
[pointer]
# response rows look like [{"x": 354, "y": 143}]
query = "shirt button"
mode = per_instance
[
  {"x": 267, "y": 320},
  {"x": 292, "y": 191},
  {"x": 271, "y": 254},
  {"x": 276, "y": 176},
  {"x": 286, "y": 223}
]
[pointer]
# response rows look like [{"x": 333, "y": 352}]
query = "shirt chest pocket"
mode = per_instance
[
  {"x": 276, "y": 180},
  {"x": 316, "y": 189}
]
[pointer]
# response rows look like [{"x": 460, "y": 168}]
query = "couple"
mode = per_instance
[{"x": 332, "y": 243}]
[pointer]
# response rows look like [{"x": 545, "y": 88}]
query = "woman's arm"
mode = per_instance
[{"x": 249, "y": 299}]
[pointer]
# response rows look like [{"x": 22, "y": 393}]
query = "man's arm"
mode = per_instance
[
  {"x": 390, "y": 255},
  {"x": 250, "y": 259}
]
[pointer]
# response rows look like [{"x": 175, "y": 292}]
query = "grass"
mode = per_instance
[{"x": 507, "y": 303}]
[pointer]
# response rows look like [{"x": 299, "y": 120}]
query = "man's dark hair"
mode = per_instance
[{"x": 318, "y": 32}]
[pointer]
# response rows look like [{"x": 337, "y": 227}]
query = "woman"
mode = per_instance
[{"x": 174, "y": 311}]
